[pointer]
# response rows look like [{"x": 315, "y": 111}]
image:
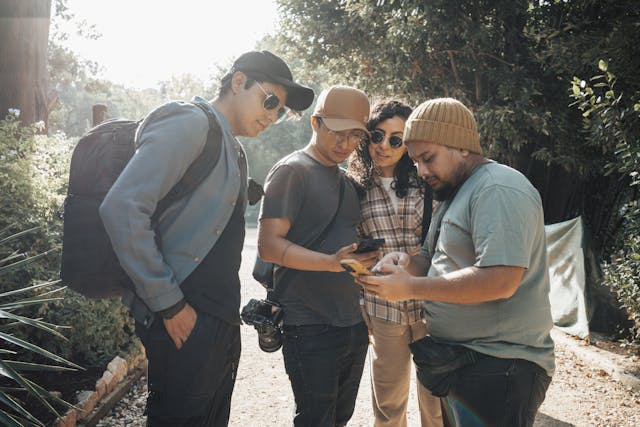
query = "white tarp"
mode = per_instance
[{"x": 565, "y": 251}]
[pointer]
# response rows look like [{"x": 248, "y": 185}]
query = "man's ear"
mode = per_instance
[
  {"x": 314, "y": 123},
  {"x": 238, "y": 80}
]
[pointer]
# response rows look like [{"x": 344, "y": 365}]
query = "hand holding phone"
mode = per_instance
[
  {"x": 368, "y": 245},
  {"x": 354, "y": 268}
]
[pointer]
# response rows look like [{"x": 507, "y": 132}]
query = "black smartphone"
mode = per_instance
[{"x": 368, "y": 245}]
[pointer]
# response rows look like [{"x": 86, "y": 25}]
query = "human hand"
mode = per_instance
[
  {"x": 367, "y": 259},
  {"x": 180, "y": 326},
  {"x": 394, "y": 283},
  {"x": 392, "y": 259}
]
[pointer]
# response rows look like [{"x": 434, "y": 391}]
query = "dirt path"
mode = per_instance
[{"x": 579, "y": 395}]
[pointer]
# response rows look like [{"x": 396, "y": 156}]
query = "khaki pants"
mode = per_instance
[{"x": 391, "y": 366}]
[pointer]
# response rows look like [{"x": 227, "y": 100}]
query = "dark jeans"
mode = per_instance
[
  {"x": 496, "y": 392},
  {"x": 191, "y": 386},
  {"x": 324, "y": 364}
]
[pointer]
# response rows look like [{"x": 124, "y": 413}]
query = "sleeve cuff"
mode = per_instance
[{"x": 168, "y": 313}]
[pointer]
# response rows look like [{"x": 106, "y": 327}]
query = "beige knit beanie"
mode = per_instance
[{"x": 443, "y": 121}]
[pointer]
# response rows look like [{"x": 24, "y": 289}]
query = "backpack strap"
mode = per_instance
[{"x": 198, "y": 170}]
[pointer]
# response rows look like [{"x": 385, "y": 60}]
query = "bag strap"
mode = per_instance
[
  {"x": 427, "y": 211},
  {"x": 317, "y": 242},
  {"x": 198, "y": 170}
]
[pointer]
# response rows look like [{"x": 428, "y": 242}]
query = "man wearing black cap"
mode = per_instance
[{"x": 185, "y": 269}]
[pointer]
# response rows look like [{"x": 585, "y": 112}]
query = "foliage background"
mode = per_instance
[{"x": 518, "y": 64}]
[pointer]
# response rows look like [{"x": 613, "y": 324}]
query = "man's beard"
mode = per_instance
[
  {"x": 449, "y": 189},
  {"x": 444, "y": 193}
]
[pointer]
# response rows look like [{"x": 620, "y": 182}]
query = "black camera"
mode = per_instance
[{"x": 266, "y": 317}]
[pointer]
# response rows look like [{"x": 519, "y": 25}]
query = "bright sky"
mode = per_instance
[{"x": 145, "y": 41}]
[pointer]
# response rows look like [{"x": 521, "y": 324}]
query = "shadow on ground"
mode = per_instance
[{"x": 543, "y": 420}]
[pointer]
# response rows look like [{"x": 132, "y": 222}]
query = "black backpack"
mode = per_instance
[{"x": 89, "y": 263}]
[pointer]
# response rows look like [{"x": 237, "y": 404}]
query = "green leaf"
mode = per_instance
[
  {"x": 575, "y": 89},
  {"x": 36, "y": 367},
  {"x": 602, "y": 65},
  {"x": 6, "y": 268},
  {"x": 38, "y": 350},
  {"x": 31, "y": 322},
  {"x": 9, "y": 372},
  {"x": 28, "y": 288},
  {"x": 11, "y": 403},
  {"x": 16, "y": 235},
  {"x": 9, "y": 421}
]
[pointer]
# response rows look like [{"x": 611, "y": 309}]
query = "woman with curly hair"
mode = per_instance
[{"x": 392, "y": 204}]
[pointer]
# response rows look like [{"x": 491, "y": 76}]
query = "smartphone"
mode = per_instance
[
  {"x": 354, "y": 268},
  {"x": 368, "y": 245}
]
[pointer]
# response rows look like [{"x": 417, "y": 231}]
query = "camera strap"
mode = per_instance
[
  {"x": 316, "y": 244},
  {"x": 427, "y": 211}
]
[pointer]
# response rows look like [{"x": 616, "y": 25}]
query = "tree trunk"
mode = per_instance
[{"x": 24, "y": 31}]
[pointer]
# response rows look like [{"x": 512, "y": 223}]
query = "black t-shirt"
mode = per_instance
[
  {"x": 306, "y": 192},
  {"x": 214, "y": 286}
]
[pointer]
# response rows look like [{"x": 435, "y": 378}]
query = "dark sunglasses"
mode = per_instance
[
  {"x": 377, "y": 136},
  {"x": 271, "y": 102}
]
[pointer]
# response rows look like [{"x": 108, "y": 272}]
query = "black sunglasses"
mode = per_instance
[
  {"x": 377, "y": 136},
  {"x": 271, "y": 102}
]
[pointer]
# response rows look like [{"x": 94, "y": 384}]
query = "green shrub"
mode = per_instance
[
  {"x": 32, "y": 184},
  {"x": 33, "y": 177},
  {"x": 622, "y": 274},
  {"x": 17, "y": 355},
  {"x": 99, "y": 329},
  {"x": 612, "y": 122}
]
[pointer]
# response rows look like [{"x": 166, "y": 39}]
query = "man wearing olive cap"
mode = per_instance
[
  {"x": 325, "y": 339},
  {"x": 185, "y": 269},
  {"x": 482, "y": 273}
]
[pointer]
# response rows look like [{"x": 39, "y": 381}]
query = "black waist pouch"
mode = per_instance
[{"x": 438, "y": 365}]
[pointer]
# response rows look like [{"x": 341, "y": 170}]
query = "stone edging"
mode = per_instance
[
  {"x": 613, "y": 364},
  {"x": 114, "y": 383}
]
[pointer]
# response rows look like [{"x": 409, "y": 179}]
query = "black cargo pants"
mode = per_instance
[{"x": 191, "y": 386}]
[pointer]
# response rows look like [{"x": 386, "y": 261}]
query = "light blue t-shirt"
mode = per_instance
[{"x": 495, "y": 218}]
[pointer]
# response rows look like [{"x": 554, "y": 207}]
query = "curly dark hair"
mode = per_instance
[{"x": 362, "y": 169}]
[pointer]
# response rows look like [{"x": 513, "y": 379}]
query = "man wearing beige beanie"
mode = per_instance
[{"x": 482, "y": 273}]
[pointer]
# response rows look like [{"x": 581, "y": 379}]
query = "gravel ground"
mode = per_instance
[{"x": 580, "y": 393}]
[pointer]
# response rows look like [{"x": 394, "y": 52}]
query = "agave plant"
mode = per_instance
[{"x": 15, "y": 371}]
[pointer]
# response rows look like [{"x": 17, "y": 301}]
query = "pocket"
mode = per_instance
[
  {"x": 315, "y": 339},
  {"x": 539, "y": 388},
  {"x": 194, "y": 332},
  {"x": 195, "y": 371}
]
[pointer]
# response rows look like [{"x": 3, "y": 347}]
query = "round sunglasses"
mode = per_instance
[
  {"x": 271, "y": 102},
  {"x": 377, "y": 136}
]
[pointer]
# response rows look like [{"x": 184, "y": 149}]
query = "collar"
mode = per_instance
[{"x": 222, "y": 120}]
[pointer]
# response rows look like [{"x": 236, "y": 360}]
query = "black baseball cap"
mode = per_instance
[{"x": 274, "y": 70}]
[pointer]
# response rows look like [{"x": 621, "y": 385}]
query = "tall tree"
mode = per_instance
[
  {"x": 24, "y": 31},
  {"x": 511, "y": 61}
]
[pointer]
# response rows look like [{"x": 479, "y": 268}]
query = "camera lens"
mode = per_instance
[{"x": 269, "y": 338}]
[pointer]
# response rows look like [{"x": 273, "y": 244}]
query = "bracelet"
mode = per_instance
[{"x": 168, "y": 313}]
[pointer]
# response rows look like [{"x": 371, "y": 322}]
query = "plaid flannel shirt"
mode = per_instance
[{"x": 402, "y": 232}]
